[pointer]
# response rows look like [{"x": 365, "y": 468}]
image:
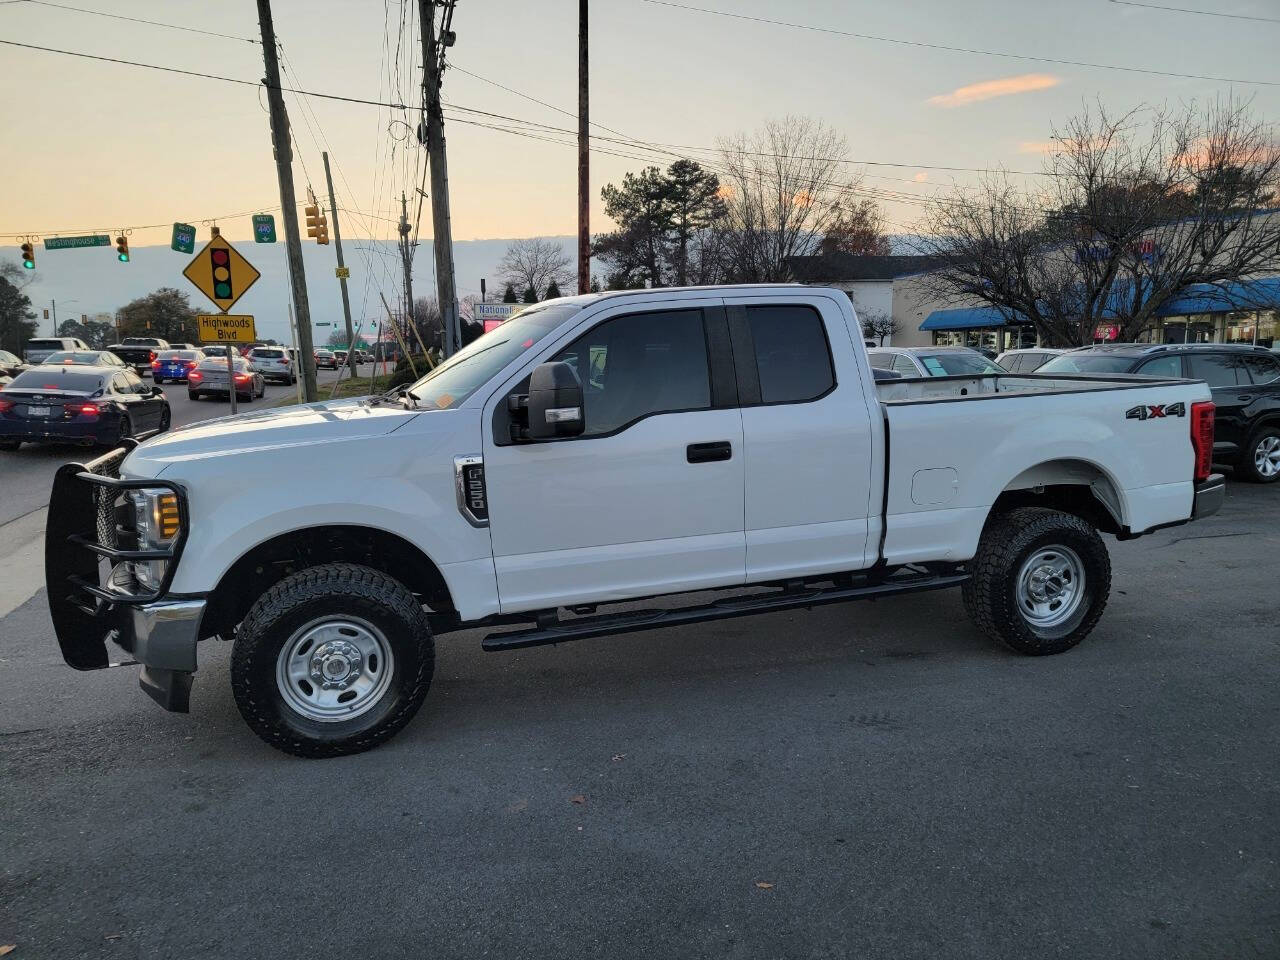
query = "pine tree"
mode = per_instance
[
  {"x": 510, "y": 295},
  {"x": 530, "y": 295},
  {"x": 553, "y": 291}
]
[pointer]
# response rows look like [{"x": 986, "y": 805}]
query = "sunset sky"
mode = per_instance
[{"x": 92, "y": 145}]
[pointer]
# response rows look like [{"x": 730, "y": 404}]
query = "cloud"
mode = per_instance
[
  {"x": 920, "y": 177},
  {"x": 989, "y": 89},
  {"x": 1038, "y": 146}
]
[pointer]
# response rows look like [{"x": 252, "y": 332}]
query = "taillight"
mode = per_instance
[
  {"x": 191, "y": 364},
  {"x": 1202, "y": 416},
  {"x": 88, "y": 409},
  {"x": 195, "y": 375},
  {"x": 242, "y": 377},
  {"x": 153, "y": 354},
  {"x": 154, "y": 362},
  {"x": 6, "y": 406},
  {"x": 285, "y": 361}
]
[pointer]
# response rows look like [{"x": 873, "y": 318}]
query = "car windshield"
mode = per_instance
[
  {"x": 957, "y": 364},
  {"x": 72, "y": 356},
  {"x": 63, "y": 380},
  {"x": 1087, "y": 363},
  {"x": 449, "y": 384}
]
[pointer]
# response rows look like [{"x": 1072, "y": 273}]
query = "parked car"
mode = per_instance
[
  {"x": 1027, "y": 360},
  {"x": 175, "y": 365},
  {"x": 210, "y": 379},
  {"x": 933, "y": 361},
  {"x": 85, "y": 358},
  {"x": 273, "y": 363},
  {"x": 700, "y": 449},
  {"x": 38, "y": 348},
  {"x": 138, "y": 352},
  {"x": 77, "y": 404},
  {"x": 10, "y": 365},
  {"x": 326, "y": 358},
  {"x": 1244, "y": 380}
]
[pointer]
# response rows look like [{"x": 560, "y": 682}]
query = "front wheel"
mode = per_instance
[
  {"x": 1261, "y": 460},
  {"x": 332, "y": 660},
  {"x": 1040, "y": 580}
]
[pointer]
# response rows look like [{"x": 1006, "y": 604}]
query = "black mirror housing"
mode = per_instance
[{"x": 555, "y": 402}]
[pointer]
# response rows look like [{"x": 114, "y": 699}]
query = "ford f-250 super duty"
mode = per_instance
[{"x": 600, "y": 449}]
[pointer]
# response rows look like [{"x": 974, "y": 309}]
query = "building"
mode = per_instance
[{"x": 868, "y": 280}]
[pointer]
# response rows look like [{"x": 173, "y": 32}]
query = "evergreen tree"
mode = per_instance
[
  {"x": 510, "y": 295},
  {"x": 553, "y": 291},
  {"x": 530, "y": 295}
]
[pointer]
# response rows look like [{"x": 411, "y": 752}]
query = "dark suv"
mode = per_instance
[{"x": 1244, "y": 380}]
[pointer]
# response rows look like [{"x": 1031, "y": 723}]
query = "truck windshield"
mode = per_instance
[
  {"x": 449, "y": 384},
  {"x": 1087, "y": 363}
]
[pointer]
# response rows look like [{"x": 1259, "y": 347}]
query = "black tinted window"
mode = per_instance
[
  {"x": 1262, "y": 369},
  {"x": 640, "y": 364},
  {"x": 57, "y": 378},
  {"x": 1219, "y": 369},
  {"x": 792, "y": 356},
  {"x": 1170, "y": 366}
]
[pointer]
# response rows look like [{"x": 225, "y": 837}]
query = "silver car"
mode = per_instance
[
  {"x": 274, "y": 363},
  {"x": 919, "y": 362},
  {"x": 210, "y": 378}
]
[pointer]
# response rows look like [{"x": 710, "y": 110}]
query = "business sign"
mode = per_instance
[
  {"x": 493, "y": 315},
  {"x": 1106, "y": 331},
  {"x": 227, "y": 328},
  {"x": 70, "y": 243},
  {"x": 220, "y": 273}
]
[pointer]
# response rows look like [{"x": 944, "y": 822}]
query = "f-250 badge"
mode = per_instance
[{"x": 1153, "y": 411}]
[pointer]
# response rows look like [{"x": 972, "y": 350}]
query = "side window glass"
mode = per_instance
[
  {"x": 1218, "y": 369},
  {"x": 640, "y": 364},
  {"x": 792, "y": 357},
  {"x": 1162, "y": 367},
  {"x": 902, "y": 364},
  {"x": 882, "y": 361},
  {"x": 1015, "y": 363},
  {"x": 121, "y": 384},
  {"x": 1262, "y": 369}
]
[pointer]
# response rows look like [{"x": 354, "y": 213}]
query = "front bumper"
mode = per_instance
[
  {"x": 1209, "y": 496},
  {"x": 91, "y": 597}
]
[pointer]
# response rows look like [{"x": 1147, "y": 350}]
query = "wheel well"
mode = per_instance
[
  {"x": 272, "y": 560},
  {"x": 1072, "y": 486}
]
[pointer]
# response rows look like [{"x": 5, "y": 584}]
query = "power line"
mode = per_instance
[
  {"x": 1061, "y": 61},
  {"x": 1202, "y": 13},
  {"x": 151, "y": 23}
]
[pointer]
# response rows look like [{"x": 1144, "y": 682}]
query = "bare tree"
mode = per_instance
[
  {"x": 535, "y": 262},
  {"x": 878, "y": 326},
  {"x": 785, "y": 187},
  {"x": 1134, "y": 208}
]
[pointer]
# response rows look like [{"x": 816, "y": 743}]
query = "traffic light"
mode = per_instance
[
  {"x": 28, "y": 256},
  {"x": 220, "y": 261},
  {"x": 122, "y": 249},
  {"x": 313, "y": 219},
  {"x": 322, "y": 230}
]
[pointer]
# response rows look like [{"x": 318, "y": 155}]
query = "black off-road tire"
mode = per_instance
[
  {"x": 1247, "y": 468},
  {"x": 344, "y": 589},
  {"x": 991, "y": 593}
]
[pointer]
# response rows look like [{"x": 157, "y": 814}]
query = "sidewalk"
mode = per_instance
[{"x": 22, "y": 562}]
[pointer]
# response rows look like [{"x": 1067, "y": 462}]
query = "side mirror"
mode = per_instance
[{"x": 555, "y": 402}]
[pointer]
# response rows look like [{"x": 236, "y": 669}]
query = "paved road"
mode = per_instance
[
  {"x": 28, "y": 473},
  {"x": 907, "y": 790}
]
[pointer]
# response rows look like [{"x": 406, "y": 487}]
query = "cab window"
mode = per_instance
[
  {"x": 792, "y": 357},
  {"x": 1218, "y": 369},
  {"x": 1162, "y": 367}
]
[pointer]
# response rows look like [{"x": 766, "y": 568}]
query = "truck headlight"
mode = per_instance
[{"x": 157, "y": 522}]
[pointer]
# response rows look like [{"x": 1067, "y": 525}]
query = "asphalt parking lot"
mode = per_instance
[{"x": 869, "y": 780}]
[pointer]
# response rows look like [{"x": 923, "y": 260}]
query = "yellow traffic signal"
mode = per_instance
[
  {"x": 28, "y": 256},
  {"x": 122, "y": 249},
  {"x": 322, "y": 230},
  {"x": 313, "y": 219}
]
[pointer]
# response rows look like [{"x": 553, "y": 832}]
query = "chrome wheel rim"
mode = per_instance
[
  {"x": 1266, "y": 456},
  {"x": 1050, "y": 586},
  {"x": 334, "y": 668}
]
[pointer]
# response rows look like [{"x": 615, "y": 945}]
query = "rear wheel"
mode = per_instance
[
  {"x": 193, "y": 395},
  {"x": 1040, "y": 580},
  {"x": 125, "y": 429},
  {"x": 332, "y": 660},
  {"x": 166, "y": 418},
  {"x": 1261, "y": 460}
]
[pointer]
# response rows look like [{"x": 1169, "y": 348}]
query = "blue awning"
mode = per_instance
[
  {"x": 1260, "y": 294},
  {"x": 965, "y": 318}
]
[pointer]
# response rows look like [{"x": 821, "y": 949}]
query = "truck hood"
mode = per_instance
[{"x": 309, "y": 424}]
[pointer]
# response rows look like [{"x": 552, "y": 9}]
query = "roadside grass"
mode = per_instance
[{"x": 359, "y": 387}]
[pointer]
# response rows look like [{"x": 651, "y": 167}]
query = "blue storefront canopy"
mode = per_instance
[{"x": 965, "y": 318}]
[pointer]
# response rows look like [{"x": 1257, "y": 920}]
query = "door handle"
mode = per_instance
[
  {"x": 1245, "y": 397},
  {"x": 709, "y": 452}
]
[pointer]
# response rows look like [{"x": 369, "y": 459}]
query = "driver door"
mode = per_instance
[{"x": 650, "y": 498}]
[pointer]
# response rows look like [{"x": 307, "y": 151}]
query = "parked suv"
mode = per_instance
[
  {"x": 1244, "y": 380},
  {"x": 1027, "y": 361},
  {"x": 273, "y": 363}
]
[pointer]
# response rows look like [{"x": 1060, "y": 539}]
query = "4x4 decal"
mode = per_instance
[{"x": 1151, "y": 411}]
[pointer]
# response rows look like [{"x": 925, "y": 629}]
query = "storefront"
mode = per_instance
[
  {"x": 982, "y": 328},
  {"x": 1244, "y": 312}
]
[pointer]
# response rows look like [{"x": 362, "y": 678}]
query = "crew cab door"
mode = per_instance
[
  {"x": 649, "y": 499},
  {"x": 807, "y": 436}
]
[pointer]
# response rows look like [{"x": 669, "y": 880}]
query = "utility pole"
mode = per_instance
[
  {"x": 584, "y": 161},
  {"x": 406, "y": 257},
  {"x": 54, "y": 306},
  {"x": 442, "y": 240},
  {"x": 288, "y": 201},
  {"x": 337, "y": 242}
]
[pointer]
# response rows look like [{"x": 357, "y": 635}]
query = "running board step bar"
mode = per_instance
[{"x": 630, "y": 621}]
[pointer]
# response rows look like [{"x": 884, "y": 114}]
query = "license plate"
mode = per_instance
[{"x": 38, "y": 411}]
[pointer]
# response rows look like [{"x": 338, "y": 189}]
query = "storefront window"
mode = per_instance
[
  {"x": 1240, "y": 328},
  {"x": 1268, "y": 327}
]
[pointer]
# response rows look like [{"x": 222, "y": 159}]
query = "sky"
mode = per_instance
[{"x": 92, "y": 147}]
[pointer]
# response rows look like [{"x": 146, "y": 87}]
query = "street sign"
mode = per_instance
[
  {"x": 184, "y": 238},
  {"x": 70, "y": 243},
  {"x": 342, "y": 273},
  {"x": 227, "y": 328},
  {"x": 220, "y": 273},
  {"x": 264, "y": 228}
]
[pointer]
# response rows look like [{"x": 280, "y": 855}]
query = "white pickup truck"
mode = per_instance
[{"x": 600, "y": 449}]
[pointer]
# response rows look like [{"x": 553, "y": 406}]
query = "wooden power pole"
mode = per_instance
[
  {"x": 442, "y": 240},
  {"x": 288, "y": 201},
  {"x": 584, "y": 158}
]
